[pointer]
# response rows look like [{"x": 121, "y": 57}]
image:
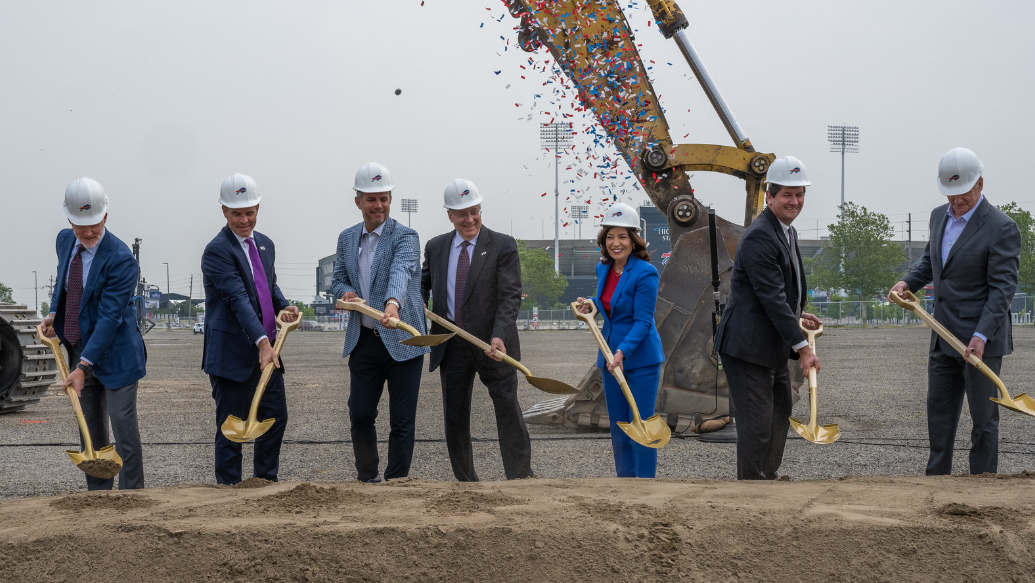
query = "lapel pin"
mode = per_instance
[
  {"x": 484, "y": 252},
  {"x": 262, "y": 248}
]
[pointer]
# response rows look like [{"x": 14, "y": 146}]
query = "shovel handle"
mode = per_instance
[
  {"x": 55, "y": 346},
  {"x": 591, "y": 323},
  {"x": 267, "y": 371},
  {"x": 475, "y": 340},
  {"x": 360, "y": 305}
]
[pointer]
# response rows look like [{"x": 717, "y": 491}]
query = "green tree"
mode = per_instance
[
  {"x": 303, "y": 309},
  {"x": 540, "y": 284},
  {"x": 6, "y": 294},
  {"x": 859, "y": 256},
  {"x": 1025, "y": 222},
  {"x": 44, "y": 308}
]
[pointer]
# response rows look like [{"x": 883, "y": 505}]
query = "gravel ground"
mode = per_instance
[{"x": 873, "y": 385}]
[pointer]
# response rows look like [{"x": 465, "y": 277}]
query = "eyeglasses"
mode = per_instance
[{"x": 467, "y": 215}]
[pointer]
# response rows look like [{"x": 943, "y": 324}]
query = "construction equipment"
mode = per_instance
[
  {"x": 243, "y": 431},
  {"x": 104, "y": 463},
  {"x": 360, "y": 305},
  {"x": 652, "y": 432},
  {"x": 27, "y": 367},
  {"x": 1021, "y": 403},
  {"x": 543, "y": 384},
  {"x": 595, "y": 47},
  {"x": 813, "y": 432}
]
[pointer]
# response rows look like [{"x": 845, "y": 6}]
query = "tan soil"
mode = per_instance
[
  {"x": 102, "y": 469},
  {"x": 854, "y": 529}
]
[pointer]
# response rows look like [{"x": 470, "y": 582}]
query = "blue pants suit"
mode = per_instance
[{"x": 632, "y": 460}]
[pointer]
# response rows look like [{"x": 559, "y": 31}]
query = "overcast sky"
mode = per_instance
[{"x": 161, "y": 101}]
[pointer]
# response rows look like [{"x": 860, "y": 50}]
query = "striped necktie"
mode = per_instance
[
  {"x": 463, "y": 264},
  {"x": 74, "y": 297}
]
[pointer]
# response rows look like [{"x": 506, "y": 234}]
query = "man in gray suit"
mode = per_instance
[
  {"x": 473, "y": 275},
  {"x": 379, "y": 261},
  {"x": 972, "y": 258}
]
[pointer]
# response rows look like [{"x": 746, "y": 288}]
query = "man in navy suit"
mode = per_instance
[
  {"x": 242, "y": 300},
  {"x": 379, "y": 261},
  {"x": 759, "y": 329},
  {"x": 95, "y": 320},
  {"x": 973, "y": 257}
]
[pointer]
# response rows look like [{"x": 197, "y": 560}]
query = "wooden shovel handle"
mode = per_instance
[
  {"x": 475, "y": 340},
  {"x": 360, "y": 305},
  {"x": 55, "y": 346}
]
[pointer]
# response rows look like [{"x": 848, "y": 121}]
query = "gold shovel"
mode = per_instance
[
  {"x": 242, "y": 431},
  {"x": 652, "y": 432},
  {"x": 1021, "y": 403},
  {"x": 543, "y": 384},
  {"x": 418, "y": 338},
  {"x": 104, "y": 463},
  {"x": 813, "y": 432}
]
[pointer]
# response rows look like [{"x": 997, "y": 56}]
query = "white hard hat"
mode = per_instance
[
  {"x": 85, "y": 202},
  {"x": 958, "y": 171},
  {"x": 787, "y": 171},
  {"x": 374, "y": 177},
  {"x": 239, "y": 191},
  {"x": 621, "y": 215},
  {"x": 460, "y": 194}
]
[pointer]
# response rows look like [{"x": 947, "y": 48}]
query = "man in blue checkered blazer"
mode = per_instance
[{"x": 379, "y": 261}]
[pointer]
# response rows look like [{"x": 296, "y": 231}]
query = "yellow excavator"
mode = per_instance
[{"x": 594, "y": 46}]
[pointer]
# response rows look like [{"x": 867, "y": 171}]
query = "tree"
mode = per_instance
[
  {"x": 1025, "y": 222},
  {"x": 541, "y": 285},
  {"x": 6, "y": 294},
  {"x": 859, "y": 256},
  {"x": 45, "y": 308},
  {"x": 304, "y": 310}
]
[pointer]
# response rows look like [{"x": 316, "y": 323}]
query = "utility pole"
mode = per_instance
[
  {"x": 909, "y": 242},
  {"x": 190, "y": 294},
  {"x": 167, "y": 290},
  {"x": 36, "y": 289},
  {"x": 843, "y": 139},
  {"x": 559, "y": 135}
]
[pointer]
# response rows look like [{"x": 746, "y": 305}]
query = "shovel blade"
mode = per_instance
[
  {"x": 652, "y": 432},
  {"x": 551, "y": 386},
  {"x": 239, "y": 431},
  {"x": 426, "y": 340},
  {"x": 105, "y": 463},
  {"x": 1021, "y": 403},
  {"x": 822, "y": 435}
]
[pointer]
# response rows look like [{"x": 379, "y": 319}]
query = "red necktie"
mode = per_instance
[
  {"x": 74, "y": 297},
  {"x": 463, "y": 263}
]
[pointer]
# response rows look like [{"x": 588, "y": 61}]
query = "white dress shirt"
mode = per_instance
[{"x": 368, "y": 241}]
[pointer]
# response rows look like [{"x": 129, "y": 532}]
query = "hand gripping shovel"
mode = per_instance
[
  {"x": 543, "y": 384},
  {"x": 653, "y": 432},
  {"x": 418, "y": 338},
  {"x": 813, "y": 432},
  {"x": 104, "y": 463},
  {"x": 242, "y": 431},
  {"x": 1021, "y": 403}
]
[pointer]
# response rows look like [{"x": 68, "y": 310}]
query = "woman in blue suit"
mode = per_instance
[{"x": 627, "y": 292}]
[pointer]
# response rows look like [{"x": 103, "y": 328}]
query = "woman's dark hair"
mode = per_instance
[{"x": 639, "y": 249}]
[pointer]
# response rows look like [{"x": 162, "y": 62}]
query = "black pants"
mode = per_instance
[
  {"x": 459, "y": 365},
  {"x": 370, "y": 367},
  {"x": 949, "y": 379},
  {"x": 763, "y": 402},
  {"x": 234, "y": 398},
  {"x": 119, "y": 405}
]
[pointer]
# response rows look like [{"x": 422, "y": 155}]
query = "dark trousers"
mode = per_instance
[
  {"x": 762, "y": 398},
  {"x": 234, "y": 398},
  {"x": 119, "y": 405},
  {"x": 949, "y": 378},
  {"x": 370, "y": 368},
  {"x": 459, "y": 364},
  {"x": 632, "y": 460}
]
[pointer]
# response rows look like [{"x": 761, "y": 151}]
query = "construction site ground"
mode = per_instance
[{"x": 858, "y": 510}]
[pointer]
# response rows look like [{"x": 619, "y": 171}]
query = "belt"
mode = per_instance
[{"x": 364, "y": 329}]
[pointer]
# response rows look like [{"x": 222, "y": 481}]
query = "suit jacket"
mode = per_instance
[
  {"x": 492, "y": 297},
  {"x": 107, "y": 319},
  {"x": 630, "y": 327},
  {"x": 760, "y": 322},
  {"x": 394, "y": 274},
  {"x": 973, "y": 291},
  {"x": 233, "y": 318}
]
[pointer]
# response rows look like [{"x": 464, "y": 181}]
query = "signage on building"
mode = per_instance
[{"x": 656, "y": 236}]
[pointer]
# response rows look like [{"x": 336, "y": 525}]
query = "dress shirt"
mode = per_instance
[
  {"x": 787, "y": 235},
  {"x": 87, "y": 257},
  {"x": 953, "y": 228},
  {"x": 454, "y": 256},
  {"x": 243, "y": 242},
  {"x": 368, "y": 241}
]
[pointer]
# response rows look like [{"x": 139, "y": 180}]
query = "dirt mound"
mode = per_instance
[
  {"x": 305, "y": 497},
  {"x": 102, "y": 501},
  {"x": 470, "y": 501},
  {"x": 253, "y": 483}
]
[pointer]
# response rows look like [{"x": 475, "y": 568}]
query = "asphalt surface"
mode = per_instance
[{"x": 873, "y": 385}]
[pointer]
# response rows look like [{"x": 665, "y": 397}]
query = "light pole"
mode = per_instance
[
  {"x": 36, "y": 289},
  {"x": 579, "y": 212},
  {"x": 559, "y": 135},
  {"x": 644, "y": 231},
  {"x": 843, "y": 139},
  {"x": 409, "y": 206}
]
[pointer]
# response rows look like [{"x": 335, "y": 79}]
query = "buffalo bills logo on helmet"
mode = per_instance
[
  {"x": 465, "y": 193},
  {"x": 954, "y": 177},
  {"x": 375, "y": 178},
  {"x": 616, "y": 214},
  {"x": 85, "y": 207},
  {"x": 796, "y": 170},
  {"x": 241, "y": 190}
]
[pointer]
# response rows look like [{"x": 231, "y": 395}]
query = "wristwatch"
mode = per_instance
[{"x": 86, "y": 368}]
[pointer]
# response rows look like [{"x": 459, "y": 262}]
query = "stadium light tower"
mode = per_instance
[
  {"x": 843, "y": 139},
  {"x": 556, "y": 135},
  {"x": 409, "y": 206},
  {"x": 579, "y": 212}
]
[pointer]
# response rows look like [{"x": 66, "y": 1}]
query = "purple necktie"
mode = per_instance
[
  {"x": 463, "y": 264},
  {"x": 74, "y": 297},
  {"x": 262, "y": 288}
]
